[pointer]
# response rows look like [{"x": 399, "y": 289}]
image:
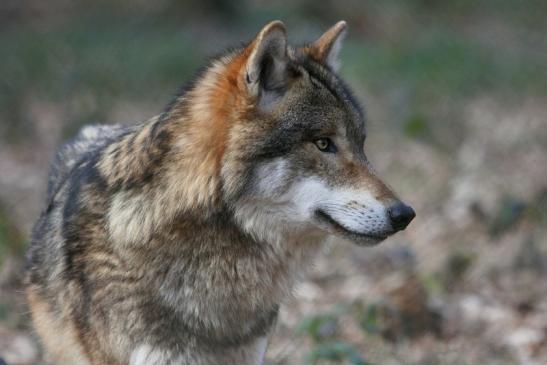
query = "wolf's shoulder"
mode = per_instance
[{"x": 89, "y": 140}]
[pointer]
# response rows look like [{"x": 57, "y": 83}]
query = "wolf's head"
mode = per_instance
[{"x": 287, "y": 139}]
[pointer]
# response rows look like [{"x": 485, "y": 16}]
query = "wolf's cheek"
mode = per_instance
[{"x": 272, "y": 179}]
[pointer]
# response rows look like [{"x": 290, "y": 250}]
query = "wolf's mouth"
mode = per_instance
[{"x": 358, "y": 237}]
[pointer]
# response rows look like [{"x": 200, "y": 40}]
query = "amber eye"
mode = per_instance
[{"x": 325, "y": 145}]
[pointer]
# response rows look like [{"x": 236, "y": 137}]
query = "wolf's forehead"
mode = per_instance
[{"x": 355, "y": 120}]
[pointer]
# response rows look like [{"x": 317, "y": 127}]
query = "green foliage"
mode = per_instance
[
  {"x": 530, "y": 257},
  {"x": 441, "y": 64},
  {"x": 319, "y": 326},
  {"x": 417, "y": 127},
  {"x": 370, "y": 322},
  {"x": 432, "y": 283},
  {"x": 510, "y": 212},
  {"x": 336, "y": 351},
  {"x": 11, "y": 240},
  {"x": 88, "y": 66},
  {"x": 537, "y": 208},
  {"x": 456, "y": 266}
]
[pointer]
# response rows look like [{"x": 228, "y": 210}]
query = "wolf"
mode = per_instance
[{"x": 175, "y": 241}]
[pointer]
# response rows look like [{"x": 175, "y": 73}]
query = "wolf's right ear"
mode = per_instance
[
  {"x": 266, "y": 67},
  {"x": 326, "y": 49}
]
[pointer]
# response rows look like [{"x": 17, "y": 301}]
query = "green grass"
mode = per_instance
[
  {"x": 441, "y": 64},
  {"x": 11, "y": 239},
  {"x": 322, "y": 330},
  {"x": 110, "y": 58},
  {"x": 425, "y": 77},
  {"x": 89, "y": 68},
  {"x": 337, "y": 352}
]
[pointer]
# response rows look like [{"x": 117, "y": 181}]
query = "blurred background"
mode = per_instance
[{"x": 455, "y": 93}]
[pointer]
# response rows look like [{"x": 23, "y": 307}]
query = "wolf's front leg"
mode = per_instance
[{"x": 248, "y": 354}]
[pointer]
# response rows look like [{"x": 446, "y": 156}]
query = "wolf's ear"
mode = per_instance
[
  {"x": 327, "y": 48},
  {"x": 266, "y": 67}
]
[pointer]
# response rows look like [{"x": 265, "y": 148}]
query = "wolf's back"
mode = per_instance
[
  {"x": 47, "y": 249},
  {"x": 69, "y": 155}
]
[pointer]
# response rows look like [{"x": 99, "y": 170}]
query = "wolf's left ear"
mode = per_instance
[
  {"x": 266, "y": 67},
  {"x": 326, "y": 49}
]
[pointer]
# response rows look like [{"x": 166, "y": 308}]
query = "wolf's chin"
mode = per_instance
[{"x": 362, "y": 239}]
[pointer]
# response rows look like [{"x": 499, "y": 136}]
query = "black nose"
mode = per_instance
[{"x": 400, "y": 215}]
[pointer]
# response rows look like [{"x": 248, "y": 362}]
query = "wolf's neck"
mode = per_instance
[
  {"x": 157, "y": 172},
  {"x": 217, "y": 275},
  {"x": 172, "y": 164}
]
